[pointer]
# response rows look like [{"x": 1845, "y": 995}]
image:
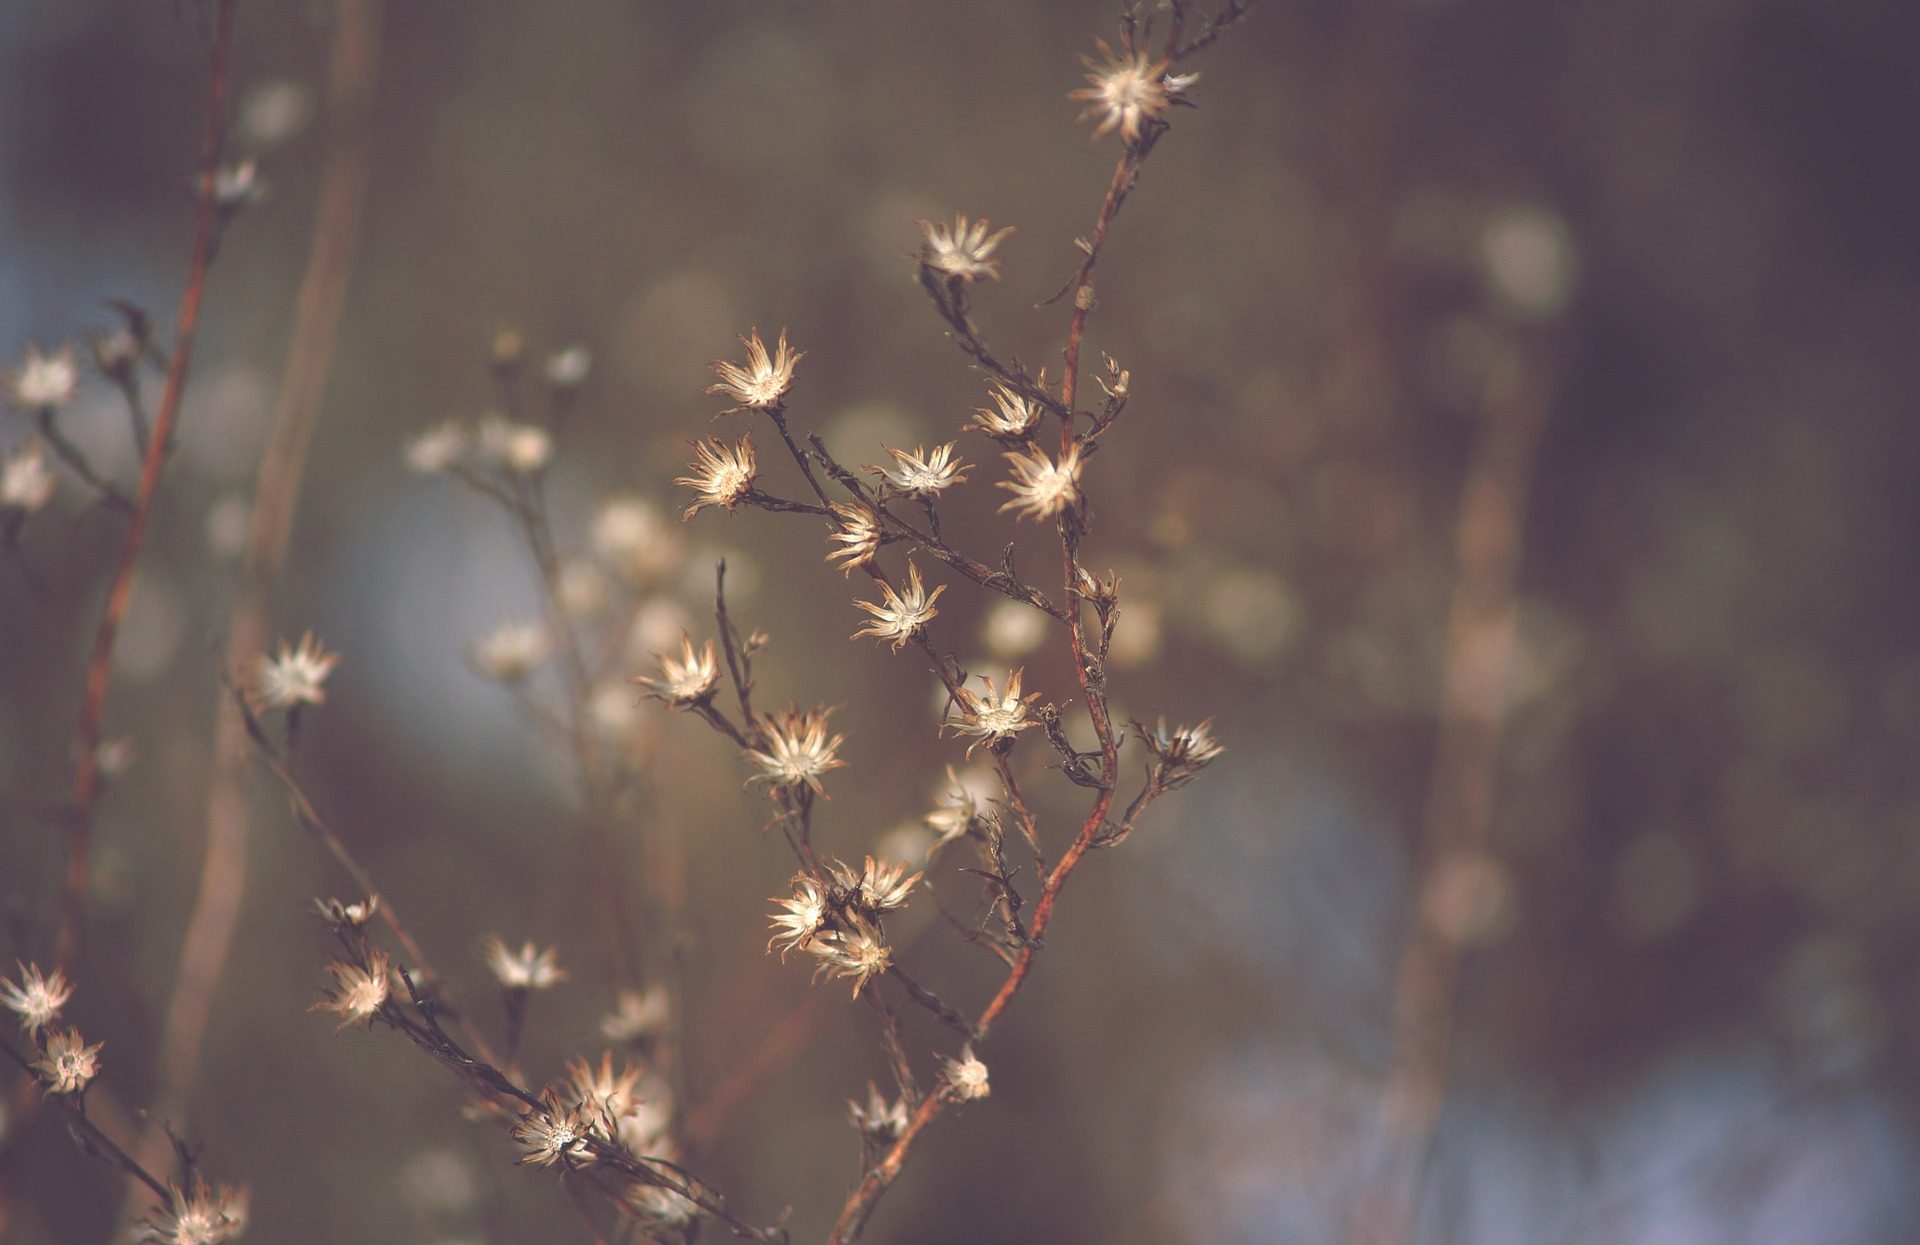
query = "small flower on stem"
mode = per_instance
[
  {"x": 44, "y": 381},
  {"x": 529, "y": 968},
  {"x": 1127, "y": 90},
  {"x": 26, "y": 484},
  {"x": 67, "y": 1063},
  {"x": 637, "y": 1014},
  {"x": 798, "y": 750},
  {"x": 1013, "y": 416},
  {"x": 689, "y": 680},
  {"x": 295, "y": 675},
  {"x": 875, "y": 889},
  {"x": 857, "y": 531},
  {"x": 721, "y": 474},
  {"x": 805, "y": 913},
  {"x": 359, "y": 990},
  {"x": 557, "y": 1133},
  {"x": 1040, "y": 486},
  {"x": 921, "y": 474},
  {"x": 198, "y": 1215},
  {"x": 953, "y": 813},
  {"x": 993, "y": 718},
  {"x": 511, "y": 651},
  {"x": 1182, "y": 752},
  {"x": 37, "y": 998},
  {"x": 856, "y": 949},
  {"x": 878, "y": 1118},
  {"x": 347, "y": 918},
  {"x": 601, "y": 1093},
  {"x": 900, "y": 615},
  {"x": 966, "y": 1077},
  {"x": 964, "y": 251},
  {"x": 765, "y": 379}
]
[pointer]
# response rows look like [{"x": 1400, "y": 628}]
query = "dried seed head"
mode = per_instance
[
  {"x": 26, "y": 483},
  {"x": 295, "y": 675},
  {"x": 347, "y": 917},
  {"x": 197, "y": 1215},
  {"x": 721, "y": 474},
  {"x": 601, "y": 1093},
  {"x": 690, "y": 680},
  {"x": 992, "y": 718},
  {"x": 921, "y": 474},
  {"x": 965, "y": 251},
  {"x": 359, "y": 990},
  {"x": 1126, "y": 90},
  {"x": 966, "y": 1077},
  {"x": 878, "y": 1118},
  {"x": 1040, "y": 486},
  {"x": 36, "y": 998},
  {"x": 67, "y": 1064},
  {"x": 44, "y": 381},
  {"x": 765, "y": 379},
  {"x": 899, "y": 616},
  {"x": 1183, "y": 751},
  {"x": 954, "y": 811},
  {"x": 798, "y": 752},
  {"x": 856, "y": 948},
  {"x": 803, "y": 915},
  {"x": 873, "y": 890},
  {"x": 557, "y": 1133},
  {"x": 637, "y": 1014},
  {"x": 1013, "y": 416},
  {"x": 857, "y": 531},
  {"x": 529, "y": 968}
]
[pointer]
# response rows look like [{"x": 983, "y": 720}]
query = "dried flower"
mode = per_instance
[
  {"x": 689, "y": 680},
  {"x": 67, "y": 1063},
  {"x": 37, "y": 998},
  {"x": 237, "y": 184},
  {"x": 359, "y": 991},
  {"x": 347, "y": 917},
  {"x": 856, "y": 949},
  {"x": 519, "y": 448},
  {"x": 1013, "y": 416},
  {"x": 879, "y": 1119},
  {"x": 965, "y": 251},
  {"x": 954, "y": 811},
  {"x": 599, "y": 1092},
  {"x": 440, "y": 448},
  {"x": 529, "y": 968},
  {"x": 764, "y": 381},
  {"x": 511, "y": 651},
  {"x": 921, "y": 474},
  {"x": 966, "y": 1076},
  {"x": 1041, "y": 487},
  {"x": 798, "y": 750},
  {"x": 900, "y": 615},
  {"x": 199, "y": 1216},
  {"x": 857, "y": 531},
  {"x": 805, "y": 913},
  {"x": 1128, "y": 90},
  {"x": 875, "y": 889},
  {"x": 26, "y": 484},
  {"x": 295, "y": 675},
  {"x": 635, "y": 539},
  {"x": 569, "y": 368},
  {"x": 721, "y": 474},
  {"x": 993, "y": 718},
  {"x": 1183, "y": 751},
  {"x": 637, "y": 1014},
  {"x": 557, "y": 1133},
  {"x": 43, "y": 381}
]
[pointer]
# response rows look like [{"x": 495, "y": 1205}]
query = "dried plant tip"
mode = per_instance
[
  {"x": 347, "y": 917},
  {"x": 954, "y": 811},
  {"x": 856, "y": 949},
  {"x": 198, "y": 1215},
  {"x": 765, "y": 379},
  {"x": 1013, "y": 416},
  {"x": 1113, "y": 378},
  {"x": 26, "y": 483},
  {"x": 1102, "y": 592},
  {"x": 798, "y": 752},
  {"x": 857, "y": 531},
  {"x": 36, "y": 998},
  {"x": 511, "y": 651},
  {"x": 878, "y": 1118},
  {"x": 721, "y": 474},
  {"x": 966, "y": 1077},
  {"x": 521, "y": 449},
  {"x": 636, "y": 1015},
  {"x": 529, "y": 968},
  {"x": 558, "y": 1133},
  {"x": 899, "y": 616},
  {"x": 1126, "y": 90},
  {"x": 600, "y": 1092},
  {"x": 67, "y": 1064},
  {"x": 921, "y": 474},
  {"x": 440, "y": 448},
  {"x": 1040, "y": 486},
  {"x": 1182, "y": 752},
  {"x": 690, "y": 680},
  {"x": 295, "y": 675},
  {"x": 359, "y": 990},
  {"x": 44, "y": 381},
  {"x": 877, "y": 888},
  {"x": 802, "y": 915},
  {"x": 992, "y": 718},
  {"x": 965, "y": 251}
]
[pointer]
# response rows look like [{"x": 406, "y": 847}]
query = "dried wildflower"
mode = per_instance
[
  {"x": 878, "y": 1118},
  {"x": 857, "y": 531},
  {"x": 359, "y": 991},
  {"x": 690, "y": 680},
  {"x": 529, "y": 968},
  {"x": 805, "y": 913},
  {"x": 875, "y": 889},
  {"x": 67, "y": 1063},
  {"x": 798, "y": 750},
  {"x": 1013, "y": 416},
  {"x": 295, "y": 675},
  {"x": 519, "y": 448},
  {"x": 348, "y": 917},
  {"x": 1040, "y": 486},
  {"x": 635, "y": 539},
  {"x": 993, "y": 718},
  {"x": 965, "y": 251},
  {"x": 764, "y": 381},
  {"x": 569, "y": 368},
  {"x": 954, "y": 811},
  {"x": 26, "y": 484},
  {"x": 1183, "y": 751},
  {"x": 198, "y": 1216},
  {"x": 637, "y": 1014},
  {"x": 237, "y": 184},
  {"x": 557, "y": 1133},
  {"x": 966, "y": 1077},
  {"x": 921, "y": 474},
  {"x": 511, "y": 651},
  {"x": 601, "y": 1093},
  {"x": 44, "y": 380},
  {"x": 721, "y": 474},
  {"x": 901, "y": 615},
  {"x": 856, "y": 949},
  {"x": 440, "y": 448},
  {"x": 1127, "y": 90},
  {"x": 37, "y": 998}
]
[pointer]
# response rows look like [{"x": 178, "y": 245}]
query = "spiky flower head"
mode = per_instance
[
  {"x": 295, "y": 675},
  {"x": 878, "y": 1118},
  {"x": 801, "y": 915},
  {"x": 722, "y": 474},
  {"x": 529, "y": 968},
  {"x": 67, "y": 1063},
  {"x": 765, "y": 379},
  {"x": 965, "y": 251},
  {"x": 37, "y": 998},
  {"x": 954, "y": 812},
  {"x": 26, "y": 483},
  {"x": 1182, "y": 751},
  {"x": 875, "y": 889},
  {"x": 1013, "y": 416},
  {"x": 601, "y": 1092},
  {"x": 511, "y": 651},
  {"x": 857, "y": 531},
  {"x": 993, "y": 717},
  {"x": 1040, "y": 486},
  {"x": 920, "y": 474},
  {"x": 359, "y": 990},
  {"x": 966, "y": 1077},
  {"x": 900, "y": 615},
  {"x": 347, "y": 918},
  {"x": 637, "y": 1014},
  {"x": 440, "y": 448},
  {"x": 557, "y": 1132},
  {"x": 1126, "y": 90},
  {"x": 43, "y": 381},
  {"x": 197, "y": 1215},
  {"x": 687, "y": 680},
  {"x": 799, "y": 751},
  {"x": 854, "y": 948}
]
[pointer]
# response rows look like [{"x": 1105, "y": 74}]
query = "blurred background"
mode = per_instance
[{"x": 1519, "y": 470}]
